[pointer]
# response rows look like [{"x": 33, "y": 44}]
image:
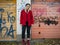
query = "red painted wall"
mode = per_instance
[{"x": 47, "y": 11}]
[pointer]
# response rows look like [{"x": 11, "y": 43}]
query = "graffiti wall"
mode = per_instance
[
  {"x": 7, "y": 20},
  {"x": 46, "y": 20}
]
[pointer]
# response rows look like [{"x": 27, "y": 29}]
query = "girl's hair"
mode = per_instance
[{"x": 27, "y": 4}]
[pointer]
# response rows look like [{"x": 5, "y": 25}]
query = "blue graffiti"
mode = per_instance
[
  {"x": 11, "y": 32},
  {"x": 22, "y": 5},
  {"x": 11, "y": 19},
  {"x": 1, "y": 11}
]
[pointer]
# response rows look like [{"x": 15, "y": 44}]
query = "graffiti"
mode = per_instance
[
  {"x": 39, "y": 11},
  {"x": 58, "y": 10},
  {"x": 10, "y": 19},
  {"x": 52, "y": 4},
  {"x": 1, "y": 11},
  {"x": 22, "y": 4},
  {"x": 46, "y": 20},
  {"x": 11, "y": 30},
  {"x": 46, "y": 14}
]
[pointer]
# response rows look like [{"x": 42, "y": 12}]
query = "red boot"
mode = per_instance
[
  {"x": 23, "y": 42},
  {"x": 28, "y": 42}
]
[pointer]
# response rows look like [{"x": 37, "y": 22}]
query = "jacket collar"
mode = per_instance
[{"x": 28, "y": 10}]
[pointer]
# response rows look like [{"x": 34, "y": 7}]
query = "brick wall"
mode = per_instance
[{"x": 44, "y": 30}]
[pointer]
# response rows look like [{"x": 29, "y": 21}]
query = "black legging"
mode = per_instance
[{"x": 28, "y": 30}]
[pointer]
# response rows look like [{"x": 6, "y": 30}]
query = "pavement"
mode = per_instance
[
  {"x": 33, "y": 42},
  {"x": 42, "y": 41}
]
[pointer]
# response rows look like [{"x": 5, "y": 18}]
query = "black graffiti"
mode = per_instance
[{"x": 46, "y": 20}]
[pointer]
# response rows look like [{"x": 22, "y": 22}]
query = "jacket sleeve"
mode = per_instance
[
  {"x": 32, "y": 19},
  {"x": 21, "y": 17}
]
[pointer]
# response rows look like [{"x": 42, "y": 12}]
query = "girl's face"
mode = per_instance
[{"x": 27, "y": 7}]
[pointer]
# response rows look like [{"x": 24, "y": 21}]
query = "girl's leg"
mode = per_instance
[
  {"x": 23, "y": 35},
  {"x": 28, "y": 32},
  {"x": 28, "y": 35}
]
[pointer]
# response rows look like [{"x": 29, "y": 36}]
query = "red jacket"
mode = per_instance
[{"x": 29, "y": 17}]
